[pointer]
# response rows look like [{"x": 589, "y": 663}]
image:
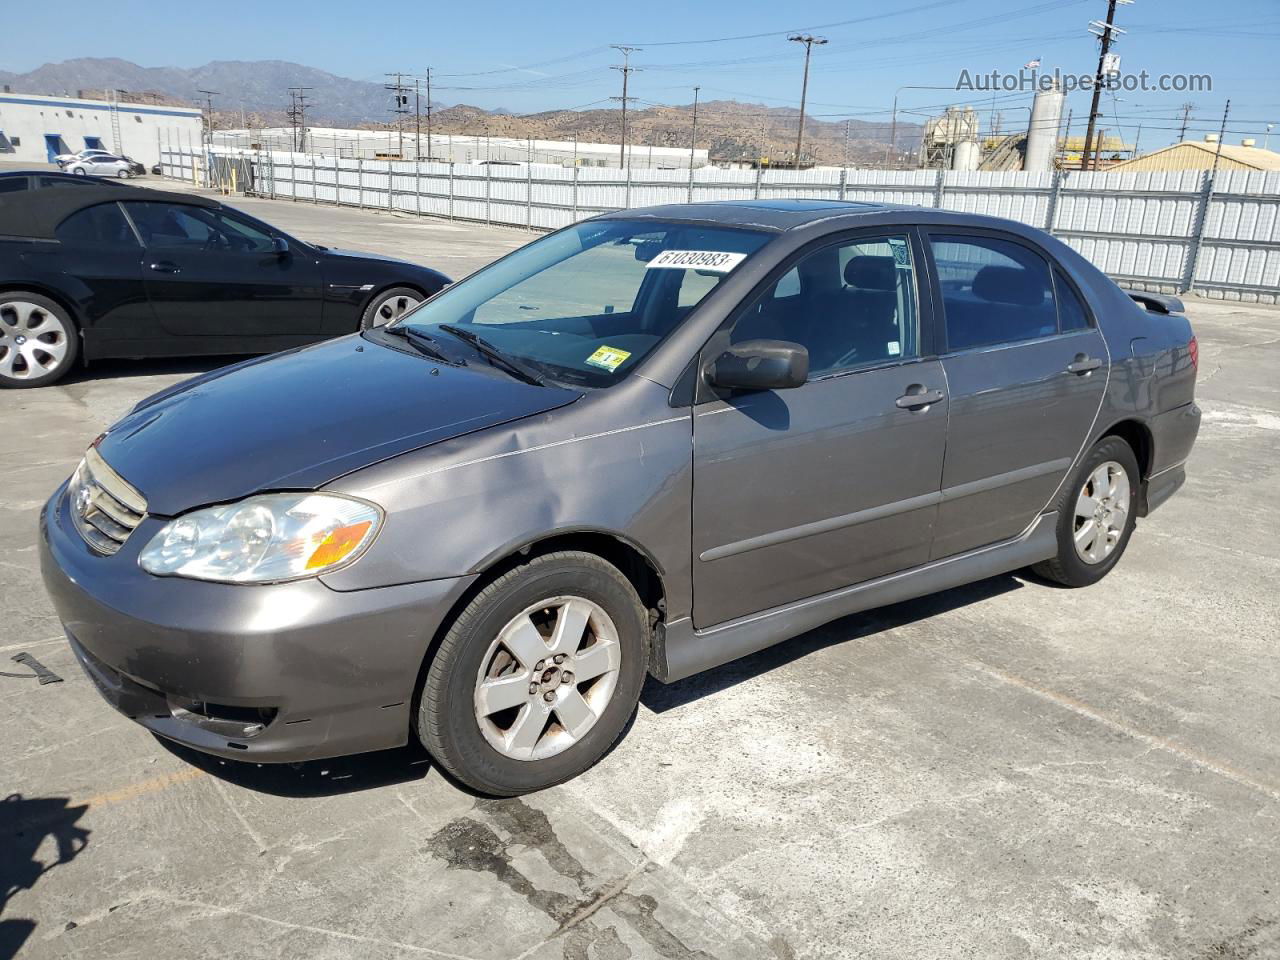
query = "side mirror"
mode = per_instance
[
  {"x": 760, "y": 365},
  {"x": 280, "y": 246}
]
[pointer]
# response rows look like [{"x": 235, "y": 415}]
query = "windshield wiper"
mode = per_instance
[
  {"x": 516, "y": 368},
  {"x": 422, "y": 343}
]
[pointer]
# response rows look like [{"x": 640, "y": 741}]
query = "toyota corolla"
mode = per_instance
[{"x": 650, "y": 443}]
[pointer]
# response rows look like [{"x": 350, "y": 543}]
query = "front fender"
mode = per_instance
[{"x": 616, "y": 462}]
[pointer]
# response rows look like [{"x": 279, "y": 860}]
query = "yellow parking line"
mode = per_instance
[{"x": 163, "y": 782}]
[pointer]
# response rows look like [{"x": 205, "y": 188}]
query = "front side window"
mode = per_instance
[
  {"x": 587, "y": 304},
  {"x": 993, "y": 291},
  {"x": 849, "y": 305},
  {"x": 101, "y": 225},
  {"x": 179, "y": 225}
]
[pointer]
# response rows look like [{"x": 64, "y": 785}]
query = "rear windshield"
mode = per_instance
[{"x": 587, "y": 304}]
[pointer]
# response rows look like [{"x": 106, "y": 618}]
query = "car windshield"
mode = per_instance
[{"x": 587, "y": 304}]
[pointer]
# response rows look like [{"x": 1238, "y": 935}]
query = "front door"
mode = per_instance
[
  {"x": 213, "y": 275},
  {"x": 1026, "y": 369},
  {"x": 802, "y": 491}
]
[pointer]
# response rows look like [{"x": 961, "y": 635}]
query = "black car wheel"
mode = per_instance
[
  {"x": 1096, "y": 515},
  {"x": 38, "y": 340},
  {"x": 390, "y": 305},
  {"x": 537, "y": 678}
]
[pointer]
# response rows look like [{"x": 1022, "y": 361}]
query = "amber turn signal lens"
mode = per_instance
[{"x": 338, "y": 544}]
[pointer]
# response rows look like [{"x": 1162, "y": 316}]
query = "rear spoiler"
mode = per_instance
[{"x": 1156, "y": 302}]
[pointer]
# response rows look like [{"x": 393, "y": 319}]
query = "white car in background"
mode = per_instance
[
  {"x": 63, "y": 159},
  {"x": 100, "y": 165}
]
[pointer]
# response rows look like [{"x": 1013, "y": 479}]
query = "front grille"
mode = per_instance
[{"x": 104, "y": 507}]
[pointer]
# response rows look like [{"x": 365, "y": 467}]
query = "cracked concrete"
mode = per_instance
[{"x": 1004, "y": 770}]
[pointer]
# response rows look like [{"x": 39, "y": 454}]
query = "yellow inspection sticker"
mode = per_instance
[{"x": 608, "y": 358}]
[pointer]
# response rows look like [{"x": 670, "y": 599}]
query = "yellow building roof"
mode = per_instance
[{"x": 1199, "y": 155}]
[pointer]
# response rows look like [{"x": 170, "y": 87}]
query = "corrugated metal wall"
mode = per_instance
[{"x": 1167, "y": 231}]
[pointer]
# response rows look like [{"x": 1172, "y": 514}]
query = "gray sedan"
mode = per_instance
[{"x": 648, "y": 444}]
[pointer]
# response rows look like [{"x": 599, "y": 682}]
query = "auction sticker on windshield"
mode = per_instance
[
  {"x": 712, "y": 261},
  {"x": 608, "y": 358}
]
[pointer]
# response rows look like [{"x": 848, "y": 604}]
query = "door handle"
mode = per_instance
[
  {"x": 917, "y": 397},
  {"x": 166, "y": 266},
  {"x": 1083, "y": 364}
]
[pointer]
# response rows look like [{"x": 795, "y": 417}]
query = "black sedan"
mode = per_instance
[{"x": 119, "y": 271}]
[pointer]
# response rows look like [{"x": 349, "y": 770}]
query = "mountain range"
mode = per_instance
[{"x": 255, "y": 93}]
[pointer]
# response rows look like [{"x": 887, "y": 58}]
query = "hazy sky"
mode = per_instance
[{"x": 549, "y": 55}]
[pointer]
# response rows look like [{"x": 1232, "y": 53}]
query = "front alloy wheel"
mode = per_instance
[
  {"x": 390, "y": 305},
  {"x": 547, "y": 677},
  {"x": 537, "y": 677}
]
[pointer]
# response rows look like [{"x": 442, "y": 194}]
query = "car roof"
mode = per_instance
[
  {"x": 782, "y": 214},
  {"x": 37, "y": 213}
]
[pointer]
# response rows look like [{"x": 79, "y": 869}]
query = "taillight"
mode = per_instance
[{"x": 1193, "y": 348}]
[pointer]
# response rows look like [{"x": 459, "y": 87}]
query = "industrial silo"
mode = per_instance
[
  {"x": 1042, "y": 134},
  {"x": 966, "y": 155}
]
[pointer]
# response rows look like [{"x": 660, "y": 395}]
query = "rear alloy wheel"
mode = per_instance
[
  {"x": 1096, "y": 515},
  {"x": 390, "y": 305},
  {"x": 537, "y": 677},
  {"x": 38, "y": 342}
]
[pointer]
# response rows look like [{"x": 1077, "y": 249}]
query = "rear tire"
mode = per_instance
[
  {"x": 1097, "y": 511},
  {"x": 499, "y": 712},
  {"x": 39, "y": 342}
]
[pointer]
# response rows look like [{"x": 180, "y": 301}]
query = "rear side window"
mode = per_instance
[
  {"x": 1071, "y": 312},
  {"x": 993, "y": 291},
  {"x": 103, "y": 225},
  {"x": 12, "y": 184}
]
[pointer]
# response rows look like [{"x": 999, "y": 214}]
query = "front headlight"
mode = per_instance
[{"x": 264, "y": 539}]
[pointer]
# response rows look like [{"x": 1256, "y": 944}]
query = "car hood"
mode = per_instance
[{"x": 298, "y": 420}]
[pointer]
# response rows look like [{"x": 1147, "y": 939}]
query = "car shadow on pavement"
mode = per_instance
[
  {"x": 312, "y": 778},
  {"x": 25, "y": 824},
  {"x": 660, "y": 697}
]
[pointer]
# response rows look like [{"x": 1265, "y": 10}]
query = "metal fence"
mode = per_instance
[{"x": 1163, "y": 231}]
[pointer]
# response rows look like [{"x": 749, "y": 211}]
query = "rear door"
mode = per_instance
[
  {"x": 1026, "y": 369},
  {"x": 212, "y": 274},
  {"x": 802, "y": 491}
]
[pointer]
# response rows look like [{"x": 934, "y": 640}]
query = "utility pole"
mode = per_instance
[
  {"x": 1186, "y": 115},
  {"x": 429, "y": 114},
  {"x": 1266, "y": 140},
  {"x": 808, "y": 41},
  {"x": 298, "y": 116},
  {"x": 208, "y": 124},
  {"x": 693, "y": 138},
  {"x": 626, "y": 70},
  {"x": 1104, "y": 31},
  {"x": 846, "y": 143},
  {"x": 1222, "y": 135},
  {"x": 417, "y": 119},
  {"x": 401, "y": 99}
]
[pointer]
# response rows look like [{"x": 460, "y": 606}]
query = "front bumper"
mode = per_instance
[{"x": 279, "y": 673}]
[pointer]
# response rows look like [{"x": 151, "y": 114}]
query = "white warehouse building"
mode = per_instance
[
  {"x": 36, "y": 128},
  {"x": 457, "y": 148}
]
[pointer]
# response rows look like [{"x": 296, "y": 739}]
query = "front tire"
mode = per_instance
[
  {"x": 537, "y": 677},
  {"x": 38, "y": 340},
  {"x": 124, "y": 174},
  {"x": 390, "y": 305},
  {"x": 1097, "y": 511}
]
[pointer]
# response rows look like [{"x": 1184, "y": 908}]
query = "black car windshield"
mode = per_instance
[{"x": 587, "y": 304}]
